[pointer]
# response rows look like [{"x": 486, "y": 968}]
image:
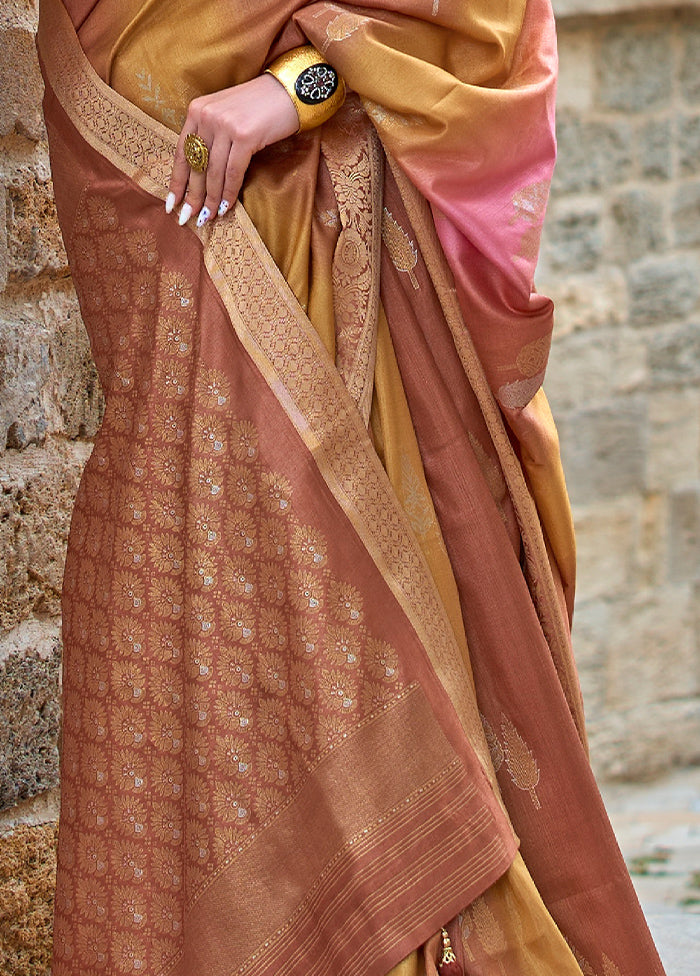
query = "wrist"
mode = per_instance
[
  {"x": 284, "y": 121},
  {"x": 314, "y": 87}
]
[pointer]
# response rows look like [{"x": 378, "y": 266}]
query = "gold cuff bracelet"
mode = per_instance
[{"x": 314, "y": 86}]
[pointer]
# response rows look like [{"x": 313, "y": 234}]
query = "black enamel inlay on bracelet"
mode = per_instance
[{"x": 316, "y": 84}]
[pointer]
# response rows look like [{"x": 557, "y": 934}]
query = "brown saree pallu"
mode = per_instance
[{"x": 319, "y": 700}]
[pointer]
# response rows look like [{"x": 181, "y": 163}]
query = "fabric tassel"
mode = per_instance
[{"x": 448, "y": 965}]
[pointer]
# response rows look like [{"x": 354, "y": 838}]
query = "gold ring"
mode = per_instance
[{"x": 196, "y": 152}]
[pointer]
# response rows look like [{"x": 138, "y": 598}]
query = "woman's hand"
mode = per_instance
[{"x": 235, "y": 124}]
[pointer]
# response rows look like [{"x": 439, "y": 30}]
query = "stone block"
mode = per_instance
[
  {"x": 590, "y": 630},
  {"x": 590, "y": 367},
  {"x": 635, "y": 67},
  {"x": 21, "y": 86},
  {"x": 29, "y": 713},
  {"x": 585, "y": 302},
  {"x": 684, "y": 535},
  {"x": 649, "y": 562},
  {"x": 652, "y": 655},
  {"x": 663, "y": 289},
  {"x": 696, "y": 604},
  {"x": 576, "y": 78},
  {"x": 674, "y": 356},
  {"x": 574, "y": 240},
  {"x": 73, "y": 392},
  {"x": 689, "y": 145},
  {"x": 48, "y": 382},
  {"x": 41, "y": 809},
  {"x": 27, "y": 885},
  {"x": 35, "y": 242},
  {"x": 655, "y": 153},
  {"x": 637, "y": 226},
  {"x": 592, "y": 8},
  {"x": 4, "y": 248},
  {"x": 643, "y": 742},
  {"x": 690, "y": 76},
  {"x": 604, "y": 449},
  {"x": 686, "y": 215},
  {"x": 25, "y": 370},
  {"x": 593, "y": 155},
  {"x": 20, "y": 13},
  {"x": 606, "y": 541},
  {"x": 37, "y": 488},
  {"x": 673, "y": 458}
]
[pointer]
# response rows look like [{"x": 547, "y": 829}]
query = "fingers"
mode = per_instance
[
  {"x": 180, "y": 175},
  {"x": 237, "y": 164},
  {"x": 212, "y": 193},
  {"x": 181, "y": 169},
  {"x": 188, "y": 186},
  {"x": 234, "y": 124},
  {"x": 221, "y": 152},
  {"x": 201, "y": 192}
]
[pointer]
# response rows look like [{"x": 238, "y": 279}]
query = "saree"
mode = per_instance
[{"x": 319, "y": 696}]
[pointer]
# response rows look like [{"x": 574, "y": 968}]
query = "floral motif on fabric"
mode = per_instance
[
  {"x": 402, "y": 250},
  {"x": 153, "y": 99},
  {"x": 356, "y": 177},
  {"x": 518, "y": 394},
  {"x": 415, "y": 500},
  {"x": 341, "y": 25},
  {"x": 530, "y": 203}
]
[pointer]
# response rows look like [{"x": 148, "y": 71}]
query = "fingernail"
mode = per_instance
[
  {"x": 185, "y": 214},
  {"x": 170, "y": 203},
  {"x": 204, "y": 215},
  {"x": 223, "y": 207}
]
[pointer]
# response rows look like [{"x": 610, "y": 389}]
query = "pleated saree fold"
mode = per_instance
[{"x": 318, "y": 685}]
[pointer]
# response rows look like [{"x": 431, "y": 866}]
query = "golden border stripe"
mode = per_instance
[
  {"x": 434, "y": 793},
  {"x": 452, "y": 885},
  {"x": 438, "y": 857}
]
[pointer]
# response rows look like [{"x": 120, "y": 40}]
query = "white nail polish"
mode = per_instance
[
  {"x": 204, "y": 215},
  {"x": 185, "y": 214},
  {"x": 170, "y": 203},
  {"x": 223, "y": 207}
]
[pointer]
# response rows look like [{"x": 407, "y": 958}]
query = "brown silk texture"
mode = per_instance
[{"x": 319, "y": 697}]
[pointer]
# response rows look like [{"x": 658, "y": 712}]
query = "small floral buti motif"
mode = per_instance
[
  {"x": 401, "y": 248},
  {"x": 530, "y": 203},
  {"x": 415, "y": 499},
  {"x": 521, "y": 762},
  {"x": 342, "y": 26},
  {"x": 532, "y": 358}
]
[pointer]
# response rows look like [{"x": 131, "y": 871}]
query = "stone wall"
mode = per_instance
[
  {"x": 622, "y": 259},
  {"x": 49, "y": 409}
]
